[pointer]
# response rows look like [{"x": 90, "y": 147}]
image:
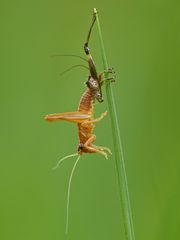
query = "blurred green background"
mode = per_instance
[{"x": 142, "y": 43}]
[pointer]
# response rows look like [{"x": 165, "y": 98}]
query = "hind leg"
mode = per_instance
[
  {"x": 95, "y": 149},
  {"x": 91, "y": 148}
]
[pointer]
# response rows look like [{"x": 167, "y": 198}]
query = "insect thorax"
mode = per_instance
[{"x": 94, "y": 86}]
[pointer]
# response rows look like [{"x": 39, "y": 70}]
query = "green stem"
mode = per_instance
[{"x": 118, "y": 150}]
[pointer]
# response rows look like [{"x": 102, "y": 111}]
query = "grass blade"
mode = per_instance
[{"x": 118, "y": 149}]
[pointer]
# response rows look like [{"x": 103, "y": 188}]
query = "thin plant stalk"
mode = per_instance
[{"x": 118, "y": 149}]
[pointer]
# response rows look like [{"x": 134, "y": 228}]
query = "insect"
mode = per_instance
[
  {"x": 84, "y": 119},
  {"x": 85, "y": 123}
]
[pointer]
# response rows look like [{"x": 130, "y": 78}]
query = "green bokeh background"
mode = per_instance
[{"x": 142, "y": 43}]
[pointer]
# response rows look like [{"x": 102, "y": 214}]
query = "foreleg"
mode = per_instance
[
  {"x": 96, "y": 119},
  {"x": 102, "y": 79}
]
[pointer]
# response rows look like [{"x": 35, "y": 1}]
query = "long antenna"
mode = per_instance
[
  {"x": 69, "y": 69},
  {"x": 68, "y": 55},
  {"x": 62, "y": 159},
  {"x": 68, "y": 193}
]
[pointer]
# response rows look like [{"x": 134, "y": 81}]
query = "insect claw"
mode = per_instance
[
  {"x": 112, "y": 79},
  {"x": 103, "y": 149},
  {"x": 108, "y": 150},
  {"x": 110, "y": 70},
  {"x": 105, "y": 155},
  {"x": 103, "y": 114},
  {"x": 95, "y": 11}
]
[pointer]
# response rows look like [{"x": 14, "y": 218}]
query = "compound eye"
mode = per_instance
[
  {"x": 99, "y": 97},
  {"x": 81, "y": 146},
  {"x": 94, "y": 84}
]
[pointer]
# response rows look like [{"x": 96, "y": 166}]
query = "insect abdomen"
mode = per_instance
[{"x": 86, "y": 102}]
